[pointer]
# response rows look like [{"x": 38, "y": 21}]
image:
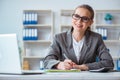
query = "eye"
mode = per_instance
[
  {"x": 85, "y": 18},
  {"x": 76, "y": 15}
]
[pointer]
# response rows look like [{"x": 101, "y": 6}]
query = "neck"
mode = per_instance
[{"x": 77, "y": 35}]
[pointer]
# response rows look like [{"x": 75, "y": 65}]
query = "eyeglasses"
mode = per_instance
[{"x": 83, "y": 19}]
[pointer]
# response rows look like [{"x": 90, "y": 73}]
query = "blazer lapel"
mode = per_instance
[
  {"x": 70, "y": 49},
  {"x": 72, "y": 55},
  {"x": 85, "y": 48}
]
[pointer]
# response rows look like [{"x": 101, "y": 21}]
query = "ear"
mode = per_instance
[{"x": 91, "y": 22}]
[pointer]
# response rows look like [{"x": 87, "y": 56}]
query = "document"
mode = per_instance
[{"x": 104, "y": 69}]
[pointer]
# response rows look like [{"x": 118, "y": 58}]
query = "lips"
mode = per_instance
[{"x": 79, "y": 26}]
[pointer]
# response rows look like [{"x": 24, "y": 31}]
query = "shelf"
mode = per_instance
[
  {"x": 41, "y": 11},
  {"x": 66, "y": 12},
  {"x": 66, "y": 25},
  {"x": 115, "y": 57},
  {"x": 65, "y": 19},
  {"x": 38, "y": 41},
  {"x": 33, "y": 57},
  {"x": 108, "y": 25},
  {"x": 38, "y": 25},
  {"x": 104, "y": 11},
  {"x": 112, "y": 41},
  {"x": 112, "y": 30},
  {"x": 37, "y": 35}
]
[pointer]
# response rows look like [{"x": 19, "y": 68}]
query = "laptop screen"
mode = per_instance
[{"x": 9, "y": 54}]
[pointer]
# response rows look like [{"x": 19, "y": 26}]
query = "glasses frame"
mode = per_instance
[{"x": 83, "y": 19}]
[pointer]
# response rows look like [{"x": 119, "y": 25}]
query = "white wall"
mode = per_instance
[{"x": 11, "y": 11}]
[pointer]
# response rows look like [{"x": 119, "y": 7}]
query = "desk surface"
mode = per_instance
[{"x": 83, "y": 75}]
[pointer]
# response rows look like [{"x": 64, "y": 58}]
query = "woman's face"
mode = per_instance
[{"x": 81, "y": 19}]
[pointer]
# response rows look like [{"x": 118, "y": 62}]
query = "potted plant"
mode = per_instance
[{"x": 108, "y": 18}]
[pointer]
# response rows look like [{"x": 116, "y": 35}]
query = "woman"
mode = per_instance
[{"x": 79, "y": 47}]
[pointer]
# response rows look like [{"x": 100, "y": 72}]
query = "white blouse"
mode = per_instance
[{"x": 77, "y": 47}]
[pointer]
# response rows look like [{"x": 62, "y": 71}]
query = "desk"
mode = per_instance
[{"x": 83, "y": 75}]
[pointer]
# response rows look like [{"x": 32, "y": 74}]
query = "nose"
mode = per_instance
[{"x": 79, "y": 20}]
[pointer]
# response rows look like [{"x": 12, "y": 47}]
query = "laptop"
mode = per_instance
[{"x": 10, "y": 61}]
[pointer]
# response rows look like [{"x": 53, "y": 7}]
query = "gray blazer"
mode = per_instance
[{"x": 93, "y": 46}]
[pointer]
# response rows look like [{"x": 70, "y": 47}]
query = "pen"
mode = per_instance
[
  {"x": 69, "y": 63},
  {"x": 65, "y": 56}
]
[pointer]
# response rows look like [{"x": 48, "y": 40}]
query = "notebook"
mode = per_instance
[
  {"x": 10, "y": 61},
  {"x": 56, "y": 70}
]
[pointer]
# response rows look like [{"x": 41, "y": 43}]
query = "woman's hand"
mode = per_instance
[
  {"x": 82, "y": 67},
  {"x": 65, "y": 65}
]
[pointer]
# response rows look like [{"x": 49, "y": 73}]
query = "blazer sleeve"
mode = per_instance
[
  {"x": 105, "y": 59},
  {"x": 53, "y": 56}
]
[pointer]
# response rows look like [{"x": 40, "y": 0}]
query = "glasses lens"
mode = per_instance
[
  {"x": 85, "y": 19},
  {"x": 77, "y": 17}
]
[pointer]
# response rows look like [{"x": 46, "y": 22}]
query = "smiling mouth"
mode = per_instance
[{"x": 79, "y": 26}]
